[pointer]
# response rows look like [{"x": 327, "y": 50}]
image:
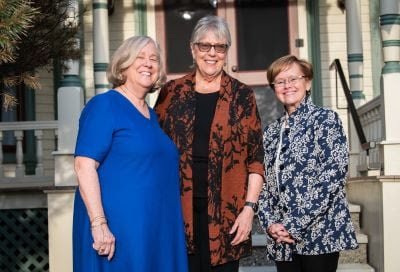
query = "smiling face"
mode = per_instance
[
  {"x": 291, "y": 94},
  {"x": 209, "y": 64},
  {"x": 144, "y": 71}
]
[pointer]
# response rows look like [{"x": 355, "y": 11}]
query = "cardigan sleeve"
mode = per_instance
[
  {"x": 265, "y": 213},
  {"x": 330, "y": 178},
  {"x": 255, "y": 151},
  {"x": 162, "y": 104},
  {"x": 267, "y": 200}
]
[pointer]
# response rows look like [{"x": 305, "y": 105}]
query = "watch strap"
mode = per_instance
[{"x": 252, "y": 205}]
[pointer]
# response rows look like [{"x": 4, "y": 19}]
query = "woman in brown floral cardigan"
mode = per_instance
[{"x": 213, "y": 119}]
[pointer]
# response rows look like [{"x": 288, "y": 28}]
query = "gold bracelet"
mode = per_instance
[
  {"x": 98, "y": 225},
  {"x": 97, "y": 218}
]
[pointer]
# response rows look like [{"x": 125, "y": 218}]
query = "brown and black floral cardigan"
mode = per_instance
[{"x": 235, "y": 150}]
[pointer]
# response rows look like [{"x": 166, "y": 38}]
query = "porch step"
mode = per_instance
[
  {"x": 358, "y": 255},
  {"x": 348, "y": 267},
  {"x": 260, "y": 240},
  {"x": 348, "y": 258},
  {"x": 355, "y": 211}
]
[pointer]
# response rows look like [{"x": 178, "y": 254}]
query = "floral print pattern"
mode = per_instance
[
  {"x": 306, "y": 163},
  {"x": 235, "y": 150}
]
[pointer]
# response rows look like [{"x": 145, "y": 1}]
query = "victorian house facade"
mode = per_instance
[{"x": 360, "y": 38}]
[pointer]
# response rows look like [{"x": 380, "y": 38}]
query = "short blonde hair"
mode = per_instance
[
  {"x": 124, "y": 57},
  {"x": 284, "y": 62}
]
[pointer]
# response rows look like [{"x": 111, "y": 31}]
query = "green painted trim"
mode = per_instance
[
  {"x": 356, "y": 76},
  {"x": 355, "y": 58},
  {"x": 100, "y": 6},
  {"x": 314, "y": 49},
  {"x": 376, "y": 46},
  {"x": 101, "y": 86},
  {"x": 391, "y": 43},
  {"x": 140, "y": 13},
  {"x": 357, "y": 94},
  {"x": 390, "y": 19},
  {"x": 100, "y": 67},
  {"x": 391, "y": 67},
  {"x": 56, "y": 84},
  {"x": 29, "y": 138},
  {"x": 70, "y": 81}
]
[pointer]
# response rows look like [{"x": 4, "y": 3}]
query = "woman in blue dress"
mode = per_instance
[{"x": 127, "y": 213}]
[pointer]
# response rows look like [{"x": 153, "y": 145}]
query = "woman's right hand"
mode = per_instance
[
  {"x": 279, "y": 233},
  {"x": 104, "y": 240}
]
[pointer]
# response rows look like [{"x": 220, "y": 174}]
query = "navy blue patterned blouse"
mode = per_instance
[{"x": 306, "y": 162}]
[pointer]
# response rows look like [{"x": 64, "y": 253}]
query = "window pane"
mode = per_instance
[
  {"x": 262, "y": 32},
  {"x": 268, "y": 105},
  {"x": 9, "y": 115},
  {"x": 180, "y": 19}
]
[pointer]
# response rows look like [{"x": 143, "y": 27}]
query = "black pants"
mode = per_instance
[
  {"x": 310, "y": 263},
  {"x": 200, "y": 261}
]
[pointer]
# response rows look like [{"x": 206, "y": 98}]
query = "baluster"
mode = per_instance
[
  {"x": 20, "y": 168},
  {"x": 1, "y": 154},
  {"x": 56, "y": 139},
  {"x": 39, "y": 152}
]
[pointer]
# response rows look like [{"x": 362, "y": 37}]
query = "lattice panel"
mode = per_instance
[{"x": 24, "y": 241}]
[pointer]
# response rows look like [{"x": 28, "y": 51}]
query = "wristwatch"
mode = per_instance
[{"x": 252, "y": 205}]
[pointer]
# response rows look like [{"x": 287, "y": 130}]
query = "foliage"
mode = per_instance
[
  {"x": 32, "y": 35},
  {"x": 341, "y": 5}
]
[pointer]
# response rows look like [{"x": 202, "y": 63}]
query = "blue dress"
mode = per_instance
[{"x": 139, "y": 183}]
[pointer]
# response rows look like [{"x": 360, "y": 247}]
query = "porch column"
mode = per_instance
[
  {"x": 355, "y": 67},
  {"x": 390, "y": 147},
  {"x": 60, "y": 200},
  {"x": 355, "y": 50},
  {"x": 100, "y": 45},
  {"x": 390, "y": 92}
]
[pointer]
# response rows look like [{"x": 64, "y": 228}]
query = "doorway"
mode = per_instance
[{"x": 261, "y": 31}]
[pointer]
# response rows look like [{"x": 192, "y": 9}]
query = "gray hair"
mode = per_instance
[
  {"x": 124, "y": 57},
  {"x": 212, "y": 23}
]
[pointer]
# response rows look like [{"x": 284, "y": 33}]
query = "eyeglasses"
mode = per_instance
[
  {"x": 205, "y": 47},
  {"x": 289, "y": 81},
  {"x": 152, "y": 59}
]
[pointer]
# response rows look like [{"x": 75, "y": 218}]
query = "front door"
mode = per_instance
[{"x": 261, "y": 30}]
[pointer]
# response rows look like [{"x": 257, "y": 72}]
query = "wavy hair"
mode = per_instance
[{"x": 124, "y": 57}]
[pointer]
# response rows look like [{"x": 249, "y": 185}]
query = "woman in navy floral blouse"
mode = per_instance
[{"x": 303, "y": 205}]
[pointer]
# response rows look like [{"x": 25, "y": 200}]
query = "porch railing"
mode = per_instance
[
  {"x": 371, "y": 121},
  {"x": 17, "y": 176},
  {"x": 367, "y": 121}
]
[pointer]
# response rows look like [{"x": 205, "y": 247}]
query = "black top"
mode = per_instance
[{"x": 205, "y": 109}]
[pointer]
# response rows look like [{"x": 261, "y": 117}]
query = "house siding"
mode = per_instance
[{"x": 333, "y": 46}]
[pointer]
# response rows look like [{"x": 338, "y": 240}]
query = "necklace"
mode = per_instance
[{"x": 142, "y": 108}]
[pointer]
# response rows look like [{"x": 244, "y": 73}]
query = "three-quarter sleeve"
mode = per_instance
[
  {"x": 255, "y": 151},
  {"x": 95, "y": 129}
]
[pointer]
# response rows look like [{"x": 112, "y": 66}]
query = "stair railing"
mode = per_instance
[{"x": 365, "y": 145}]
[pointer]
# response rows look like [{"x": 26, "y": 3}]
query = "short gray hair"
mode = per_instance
[
  {"x": 212, "y": 23},
  {"x": 124, "y": 57}
]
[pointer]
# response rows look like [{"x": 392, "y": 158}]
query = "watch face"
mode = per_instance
[{"x": 253, "y": 205}]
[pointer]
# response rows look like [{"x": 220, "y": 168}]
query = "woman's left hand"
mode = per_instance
[
  {"x": 103, "y": 241},
  {"x": 242, "y": 226}
]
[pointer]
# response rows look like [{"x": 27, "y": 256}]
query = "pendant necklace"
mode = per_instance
[{"x": 144, "y": 110}]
